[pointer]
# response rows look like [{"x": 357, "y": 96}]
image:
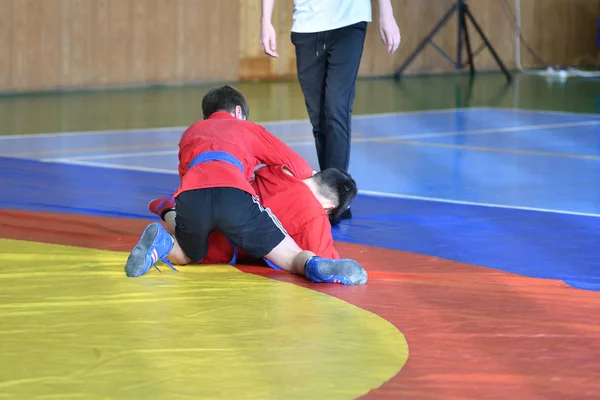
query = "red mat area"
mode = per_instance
[{"x": 473, "y": 333}]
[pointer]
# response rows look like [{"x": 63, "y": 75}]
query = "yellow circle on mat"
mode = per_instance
[{"x": 73, "y": 326}]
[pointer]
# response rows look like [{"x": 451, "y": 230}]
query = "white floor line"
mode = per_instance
[
  {"x": 370, "y": 193},
  {"x": 355, "y": 140},
  {"x": 115, "y": 166},
  {"x": 182, "y": 128},
  {"x": 486, "y": 131},
  {"x": 547, "y": 112},
  {"x": 32, "y": 136},
  {"x": 291, "y": 121},
  {"x": 115, "y": 155},
  {"x": 470, "y": 203}
]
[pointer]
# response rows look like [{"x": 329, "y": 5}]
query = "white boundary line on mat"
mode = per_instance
[
  {"x": 471, "y": 203},
  {"x": 369, "y": 193}
]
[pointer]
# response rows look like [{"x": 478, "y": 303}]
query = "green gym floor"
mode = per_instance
[{"x": 271, "y": 101}]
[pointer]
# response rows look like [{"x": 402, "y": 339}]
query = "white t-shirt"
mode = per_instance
[{"x": 323, "y": 15}]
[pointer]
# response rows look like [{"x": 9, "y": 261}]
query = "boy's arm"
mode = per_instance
[{"x": 316, "y": 237}]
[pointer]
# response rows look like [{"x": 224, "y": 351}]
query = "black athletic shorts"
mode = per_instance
[{"x": 235, "y": 213}]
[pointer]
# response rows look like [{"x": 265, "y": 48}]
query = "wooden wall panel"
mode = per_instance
[
  {"x": 77, "y": 63},
  {"x": 561, "y": 32},
  {"x": 6, "y": 29},
  {"x": 118, "y": 58},
  {"x": 497, "y": 20},
  {"x": 161, "y": 40},
  {"x": 254, "y": 63},
  {"x": 21, "y": 44},
  {"x": 415, "y": 19},
  {"x": 222, "y": 53},
  {"x": 34, "y": 56},
  {"x": 63, "y": 44}
]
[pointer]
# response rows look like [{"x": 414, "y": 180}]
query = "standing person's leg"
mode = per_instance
[
  {"x": 343, "y": 60},
  {"x": 345, "y": 51},
  {"x": 311, "y": 65}
]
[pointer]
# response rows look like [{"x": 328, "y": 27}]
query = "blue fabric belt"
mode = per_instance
[
  {"x": 216, "y": 156},
  {"x": 270, "y": 264},
  {"x": 235, "y": 253}
]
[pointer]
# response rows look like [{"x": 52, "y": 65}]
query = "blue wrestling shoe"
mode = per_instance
[
  {"x": 156, "y": 243},
  {"x": 326, "y": 270}
]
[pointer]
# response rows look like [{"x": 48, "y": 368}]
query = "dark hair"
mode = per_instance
[
  {"x": 338, "y": 187},
  {"x": 223, "y": 98}
]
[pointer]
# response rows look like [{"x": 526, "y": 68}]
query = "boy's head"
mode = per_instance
[
  {"x": 336, "y": 188},
  {"x": 225, "y": 98}
]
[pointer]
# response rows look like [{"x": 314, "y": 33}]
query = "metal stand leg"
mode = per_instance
[{"x": 463, "y": 34}]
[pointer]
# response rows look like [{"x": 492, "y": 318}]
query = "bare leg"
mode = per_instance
[
  {"x": 170, "y": 221},
  {"x": 288, "y": 256},
  {"x": 177, "y": 256}
]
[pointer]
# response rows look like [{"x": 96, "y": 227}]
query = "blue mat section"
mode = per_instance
[
  {"x": 38, "y": 186},
  {"x": 510, "y": 157},
  {"x": 535, "y": 244},
  {"x": 530, "y": 243}
]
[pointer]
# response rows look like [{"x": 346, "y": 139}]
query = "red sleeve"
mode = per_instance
[
  {"x": 316, "y": 237},
  {"x": 272, "y": 151},
  {"x": 220, "y": 251}
]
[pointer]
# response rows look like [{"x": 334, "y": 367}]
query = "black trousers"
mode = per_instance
[
  {"x": 327, "y": 64},
  {"x": 235, "y": 213}
]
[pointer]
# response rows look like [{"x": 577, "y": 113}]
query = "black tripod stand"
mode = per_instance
[{"x": 463, "y": 34}]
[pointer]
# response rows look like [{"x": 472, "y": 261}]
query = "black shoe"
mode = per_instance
[{"x": 345, "y": 215}]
